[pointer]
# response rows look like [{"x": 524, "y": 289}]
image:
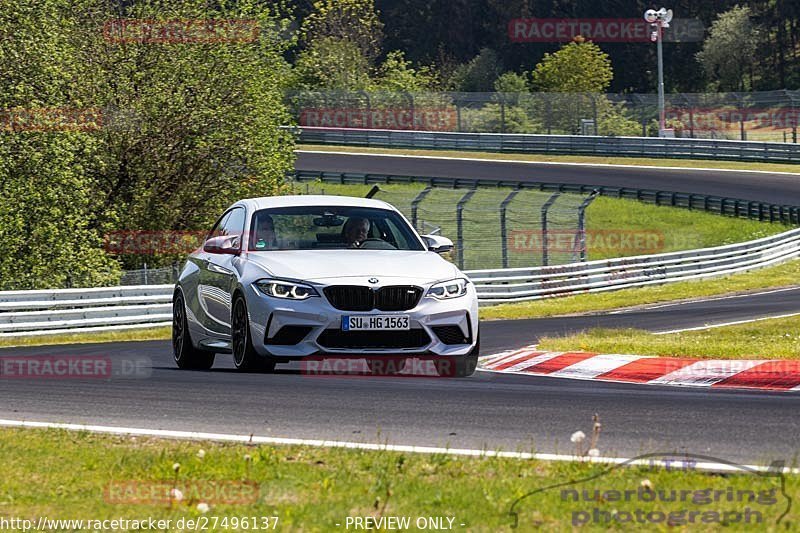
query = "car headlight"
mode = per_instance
[
  {"x": 286, "y": 290},
  {"x": 449, "y": 289}
]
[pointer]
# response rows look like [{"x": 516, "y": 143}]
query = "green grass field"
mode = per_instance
[
  {"x": 777, "y": 338},
  {"x": 73, "y": 475}
]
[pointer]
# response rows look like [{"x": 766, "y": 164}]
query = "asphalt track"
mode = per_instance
[
  {"x": 487, "y": 411},
  {"x": 777, "y": 188}
]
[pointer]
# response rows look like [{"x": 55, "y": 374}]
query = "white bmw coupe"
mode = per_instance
[{"x": 283, "y": 278}]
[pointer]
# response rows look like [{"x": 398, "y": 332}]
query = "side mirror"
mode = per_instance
[
  {"x": 223, "y": 244},
  {"x": 437, "y": 243}
]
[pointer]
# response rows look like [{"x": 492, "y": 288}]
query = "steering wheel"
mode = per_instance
[{"x": 376, "y": 244}]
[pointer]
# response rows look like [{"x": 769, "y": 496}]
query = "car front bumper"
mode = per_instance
[{"x": 268, "y": 315}]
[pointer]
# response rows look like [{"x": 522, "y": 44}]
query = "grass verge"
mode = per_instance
[
  {"x": 776, "y": 338},
  {"x": 144, "y": 334},
  {"x": 783, "y": 275},
  {"x": 649, "y": 161},
  {"x": 68, "y": 475}
]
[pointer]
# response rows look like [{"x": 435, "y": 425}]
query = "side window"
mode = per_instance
[
  {"x": 234, "y": 222},
  {"x": 217, "y": 230}
]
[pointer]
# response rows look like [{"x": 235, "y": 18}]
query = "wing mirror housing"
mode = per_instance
[
  {"x": 223, "y": 244},
  {"x": 437, "y": 243}
]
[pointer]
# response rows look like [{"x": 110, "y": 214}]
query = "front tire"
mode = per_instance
[
  {"x": 459, "y": 366},
  {"x": 186, "y": 356},
  {"x": 245, "y": 357}
]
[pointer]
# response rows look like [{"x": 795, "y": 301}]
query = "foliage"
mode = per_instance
[
  {"x": 397, "y": 74},
  {"x": 578, "y": 67},
  {"x": 492, "y": 117},
  {"x": 355, "y": 21},
  {"x": 186, "y": 129},
  {"x": 511, "y": 82},
  {"x": 729, "y": 52},
  {"x": 332, "y": 63},
  {"x": 479, "y": 74}
]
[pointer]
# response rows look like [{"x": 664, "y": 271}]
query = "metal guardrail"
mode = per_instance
[
  {"x": 46, "y": 312},
  {"x": 736, "y": 207},
  {"x": 519, "y": 284},
  {"x": 557, "y": 144},
  {"x": 24, "y": 313}
]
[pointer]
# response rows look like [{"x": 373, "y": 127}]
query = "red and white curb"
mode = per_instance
[{"x": 773, "y": 375}]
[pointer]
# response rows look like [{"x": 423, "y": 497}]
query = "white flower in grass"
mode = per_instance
[
  {"x": 176, "y": 495},
  {"x": 578, "y": 436},
  {"x": 176, "y": 467},
  {"x": 201, "y": 454},
  {"x": 646, "y": 484},
  {"x": 594, "y": 452},
  {"x": 203, "y": 507}
]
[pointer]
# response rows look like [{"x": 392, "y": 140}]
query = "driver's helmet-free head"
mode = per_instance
[{"x": 265, "y": 233}]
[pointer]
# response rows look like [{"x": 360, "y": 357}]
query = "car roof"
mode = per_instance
[{"x": 313, "y": 199}]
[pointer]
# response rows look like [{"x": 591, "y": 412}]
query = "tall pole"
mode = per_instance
[
  {"x": 658, "y": 21},
  {"x": 661, "y": 111}
]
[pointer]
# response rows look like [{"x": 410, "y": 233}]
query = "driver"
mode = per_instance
[
  {"x": 355, "y": 231},
  {"x": 265, "y": 233}
]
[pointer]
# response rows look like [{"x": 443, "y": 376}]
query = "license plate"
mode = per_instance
[{"x": 372, "y": 322}]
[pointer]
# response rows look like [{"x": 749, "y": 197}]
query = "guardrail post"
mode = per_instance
[
  {"x": 415, "y": 203},
  {"x": 545, "y": 208},
  {"x": 503, "y": 228},
  {"x": 580, "y": 238},
  {"x": 460, "y": 226}
]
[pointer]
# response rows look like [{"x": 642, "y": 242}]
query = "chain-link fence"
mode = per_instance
[
  {"x": 758, "y": 116},
  {"x": 493, "y": 227},
  {"x": 151, "y": 276}
]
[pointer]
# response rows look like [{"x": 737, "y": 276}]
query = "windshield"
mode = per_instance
[{"x": 331, "y": 227}]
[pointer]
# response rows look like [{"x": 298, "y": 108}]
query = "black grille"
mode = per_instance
[
  {"x": 335, "y": 338},
  {"x": 359, "y": 298},
  {"x": 350, "y": 297},
  {"x": 289, "y": 335},
  {"x": 450, "y": 334}
]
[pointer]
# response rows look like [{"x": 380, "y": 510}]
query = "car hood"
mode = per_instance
[{"x": 313, "y": 265}]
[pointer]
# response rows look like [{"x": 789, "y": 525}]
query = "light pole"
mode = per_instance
[{"x": 659, "y": 20}]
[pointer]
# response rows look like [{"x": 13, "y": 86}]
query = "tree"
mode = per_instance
[
  {"x": 332, "y": 63},
  {"x": 397, "y": 74},
  {"x": 579, "y": 73},
  {"x": 578, "y": 67},
  {"x": 511, "y": 82},
  {"x": 356, "y": 21},
  {"x": 479, "y": 74},
  {"x": 186, "y": 129},
  {"x": 729, "y": 51}
]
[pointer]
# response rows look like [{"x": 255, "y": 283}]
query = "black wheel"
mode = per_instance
[
  {"x": 459, "y": 366},
  {"x": 187, "y": 357},
  {"x": 386, "y": 366},
  {"x": 245, "y": 357}
]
